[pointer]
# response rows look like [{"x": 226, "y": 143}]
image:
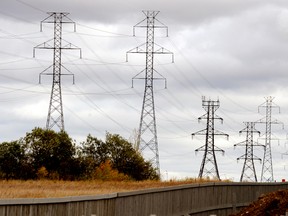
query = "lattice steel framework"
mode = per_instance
[
  {"x": 248, "y": 171},
  {"x": 147, "y": 142},
  {"x": 267, "y": 165},
  {"x": 55, "y": 113},
  {"x": 209, "y": 167}
]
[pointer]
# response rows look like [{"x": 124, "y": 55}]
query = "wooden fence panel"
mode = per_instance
[{"x": 197, "y": 200}]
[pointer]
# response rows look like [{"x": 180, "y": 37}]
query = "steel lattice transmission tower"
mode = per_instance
[
  {"x": 55, "y": 112},
  {"x": 209, "y": 166},
  {"x": 147, "y": 142},
  {"x": 267, "y": 166},
  {"x": 248, "y": 171}
]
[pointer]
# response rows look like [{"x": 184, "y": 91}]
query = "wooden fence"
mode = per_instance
[{"x": 196, "y": 199}]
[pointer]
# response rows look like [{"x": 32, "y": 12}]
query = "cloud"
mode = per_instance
[{"x": 232, "y": 50}]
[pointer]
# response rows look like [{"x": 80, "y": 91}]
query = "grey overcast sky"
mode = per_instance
[{"x": 235, "y": 51}]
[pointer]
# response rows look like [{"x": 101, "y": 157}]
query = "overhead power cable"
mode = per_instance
[
  {"x": 21, "y": 19},
  {"x": 31, "y": 6},
  {"x": 109, "y": 32},
  {"x": 205, "y": 79}
]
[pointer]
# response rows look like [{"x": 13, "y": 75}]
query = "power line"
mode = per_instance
[
  {"x": 21, "y": 19},
  {"x": 100, "y": 30},
  {"x": 107, "y": 91},
  {"x": 192, "y": 66},
  {"x": 31, "y": 6},
  {"x": 18, "y": 37},
  {"x": 95, "y": 106},
  {"x": 106, "y": 88}
]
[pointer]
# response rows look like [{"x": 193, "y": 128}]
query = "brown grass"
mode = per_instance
[{"x": 48, "y": 188}]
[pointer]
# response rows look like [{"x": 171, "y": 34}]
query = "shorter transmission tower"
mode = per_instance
[
  {"x": 209, "y": 166},
  {"x": 55, "y": 112},
  {"x": 248, "y": 171},
  {"x": 267, "y": 165}
]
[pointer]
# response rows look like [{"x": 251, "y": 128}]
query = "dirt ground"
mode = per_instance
[{"x": 272, "y": 204}]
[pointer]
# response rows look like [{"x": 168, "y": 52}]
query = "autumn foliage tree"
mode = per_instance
[
  {"x": 105, "y": 171},
  {"x": 120, "y": 153}
]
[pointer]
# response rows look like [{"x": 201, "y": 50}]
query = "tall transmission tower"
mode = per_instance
[
  {"x": 209, "y": 166},
  {"x": 248, "y": 171},
  {"x": 267, "y": 166},
  {"x": 147, "y": 142},
  {"x": 55, "y": 113}
]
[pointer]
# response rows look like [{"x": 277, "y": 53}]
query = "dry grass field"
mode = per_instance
[{"x": 48, "y": 188}]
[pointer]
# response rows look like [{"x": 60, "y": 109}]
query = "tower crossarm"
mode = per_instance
[
  {"x": 145, "y": 23},
  {"x": 53, "y": 16},
  {"x": 205, "y": 116}
]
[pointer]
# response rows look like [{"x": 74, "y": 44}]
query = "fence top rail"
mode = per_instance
[
  {"x": 35, "y": 201},
  {"x": 191, "y": 186}
]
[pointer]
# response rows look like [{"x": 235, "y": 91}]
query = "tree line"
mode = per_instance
[{"x": 47, "y": 154}]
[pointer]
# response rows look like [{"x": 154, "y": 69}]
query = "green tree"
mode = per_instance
[
  {"x": 54, "y": 151},
  {"x": 95, "y": 149},
  {"x": 13, "y": 161},
  {"x": 48, "y": 154},
  {"x": 92, "y": 153},
  {"x": 129, "y": 161}
]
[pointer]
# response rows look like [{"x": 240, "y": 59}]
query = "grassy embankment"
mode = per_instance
[{"x": 48, "y": 188}]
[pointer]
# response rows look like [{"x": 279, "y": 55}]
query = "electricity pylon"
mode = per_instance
[
  {"x": 248, "y": 171},
  {"x": 267, "y": 166},
  {"x": 209, "y": 166},
  {"x": 55, "y": 112},
  {"x": 147, "y": 142}
]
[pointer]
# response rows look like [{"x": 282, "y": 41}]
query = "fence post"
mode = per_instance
[{"x": 234, "y": 201}]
